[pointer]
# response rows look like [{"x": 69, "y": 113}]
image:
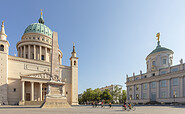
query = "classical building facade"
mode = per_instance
[
  {"x": 27, "y": 76},
  {"x": 162, "y": 82}
]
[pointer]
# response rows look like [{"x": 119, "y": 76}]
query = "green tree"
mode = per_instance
[
  {"x": 106, "y": 95},
  {"x": 97, "y": 94},
  {"x": 124, "y": 95},
  {"x": 87, "y": 95}
]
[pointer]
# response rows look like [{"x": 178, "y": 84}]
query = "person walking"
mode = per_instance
[
  {"x": 102, "y": 104},
  {"x": 110, "y": 105}
]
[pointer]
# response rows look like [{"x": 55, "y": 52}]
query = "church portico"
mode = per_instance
[{"x": 35, "y": 86}]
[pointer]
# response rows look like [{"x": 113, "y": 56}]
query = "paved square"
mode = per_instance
[{"x": 89, "y": 109}]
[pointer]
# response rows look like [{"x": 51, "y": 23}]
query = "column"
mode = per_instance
[
  {"x": 64, "y": 90},
  {"x": 32, "y": 91},
  {"x": 34, "y": 51},
  {"x": 23, "y": 90},
  {"x": 45, "y": 53},
  {"x": 40, "y": 91},
  {"x": 132, "y": 92},
  {"x": 127, "y": 93},
  {"x": 24, "y": 51},
  {"x": 50, "y": 56},
  {"x": 20, "y": 52},
  {"x": 40, "y": 48},
  {"x": 169, "y": 88},
  {"x": 148, "y": 90},
  {"x": 29, "y": 52},
  {"x": 157, "y": 89},
  {"x": 181, "y": 87},
  {"x": 140, "y": 88}
]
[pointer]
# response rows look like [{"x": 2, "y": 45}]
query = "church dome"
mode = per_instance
[
  {"x": 159, "y": 49},
  {"x": 39, "y": 28}
]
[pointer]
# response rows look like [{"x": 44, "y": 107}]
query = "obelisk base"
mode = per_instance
[{"x": 52, "y": 102}]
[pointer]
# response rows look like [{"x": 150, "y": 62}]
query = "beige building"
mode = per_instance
[
  {"x": 25, "y": 78},
  {"x": 162, "y": 82},
  {"x": 115, "y": 87}
]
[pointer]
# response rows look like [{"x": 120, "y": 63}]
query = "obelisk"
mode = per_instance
[{"x": 55, "y": 97}]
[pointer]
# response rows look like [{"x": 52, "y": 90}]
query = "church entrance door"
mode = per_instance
[{"x": 27, "y": 96}]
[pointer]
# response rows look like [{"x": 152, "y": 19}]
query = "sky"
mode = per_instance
[{"x": 112, "y": 37}]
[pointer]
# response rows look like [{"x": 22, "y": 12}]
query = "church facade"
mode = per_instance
[
  {"x": 163, "y": 82},
  {"x": 25, "y": 78}
]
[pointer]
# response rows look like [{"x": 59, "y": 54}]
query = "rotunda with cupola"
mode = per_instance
[
  {"x": 36, "y": 42},
  {"x": 159, "y": 58}
]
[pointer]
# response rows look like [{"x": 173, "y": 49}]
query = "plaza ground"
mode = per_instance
[{"x": 89, "y": 109}]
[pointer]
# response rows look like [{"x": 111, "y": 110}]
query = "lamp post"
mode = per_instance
[{"x": 174, "y": 95}]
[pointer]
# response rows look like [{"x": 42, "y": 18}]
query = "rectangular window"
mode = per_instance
[
  {"x": 137, "y": 96},
  {"x": 130, "y": 88},
  {"x": 163, "y": 83},
  {"x": 14, "y": 89},
  {"x": 153, "y": 85},
  {"x": 144, "y": 96},
  {"x": 163, "y": 94},
  {"x": 137, "y": 87},
  {"x": 145, "y": 86},
  {"x": 42, "y": 57},
  {"x": 174, "y": 70},
  {"x": 130, "y": 97},
  {"x": 175, "y": 81},
  {"x": 164, "y": 61},
  {"x": 153, "y": 63},
  {"x": 163, "y": 72}
]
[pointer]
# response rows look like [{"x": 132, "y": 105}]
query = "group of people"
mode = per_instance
[
  {"x": 128, "y": 106},
  {"x": 96, "y": 104},
  {"x": 125, "y": 106}
]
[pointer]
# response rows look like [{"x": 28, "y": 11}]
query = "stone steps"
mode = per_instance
[{"x": 34, "y": 102}]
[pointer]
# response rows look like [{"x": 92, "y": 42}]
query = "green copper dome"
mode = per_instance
[
  {"x": 39, "y": 28},
  {"x": 159, "y": 49}
]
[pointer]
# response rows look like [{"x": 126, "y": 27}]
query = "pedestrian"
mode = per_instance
[
  {"x": 110, "y": 105},
  {"x": 102, "y": 104}
]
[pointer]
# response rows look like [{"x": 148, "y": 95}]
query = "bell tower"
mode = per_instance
[
  {"x": 74, "y": 77},
  {"x": 4, "y": 48}
]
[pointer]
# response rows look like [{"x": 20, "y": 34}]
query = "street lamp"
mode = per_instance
[{"x": 174, "y": 95}]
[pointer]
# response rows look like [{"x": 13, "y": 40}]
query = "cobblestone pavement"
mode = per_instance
[{"x": 89, "y": 109}]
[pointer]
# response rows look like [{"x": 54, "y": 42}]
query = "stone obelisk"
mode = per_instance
[{"x": 55, "y": 97}]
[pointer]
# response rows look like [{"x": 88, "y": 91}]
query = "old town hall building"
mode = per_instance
[
  {"x": 37, "y": 73},
  {"x": 163, "y": 82}
]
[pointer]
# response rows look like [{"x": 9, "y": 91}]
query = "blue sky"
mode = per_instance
[{"x": 112, "y": 37}]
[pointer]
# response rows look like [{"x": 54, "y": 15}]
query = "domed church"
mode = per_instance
[
  {"x": 36, "y": 75},
  {"x": 162, "y": 83}
]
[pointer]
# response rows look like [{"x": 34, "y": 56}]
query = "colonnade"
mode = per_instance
[
  {"x": 36, "y": 52},
  {"x": 32, "y": 91}
]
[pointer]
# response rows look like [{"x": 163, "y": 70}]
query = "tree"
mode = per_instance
[
  {"x": 97, "y": 94},
  {"x": 106, "y": 95},
  {"x": 87, "y": 95},
  {"x": 124, "y": 95}
]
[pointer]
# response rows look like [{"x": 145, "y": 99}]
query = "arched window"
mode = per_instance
[
  {"x": 74, "y": 62},
  {"x": 1, "y": 47}
]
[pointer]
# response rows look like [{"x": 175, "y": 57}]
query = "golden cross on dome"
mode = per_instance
[
  {"x": 158, "y": 36},
  {"x": 41, "y": 12}
]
